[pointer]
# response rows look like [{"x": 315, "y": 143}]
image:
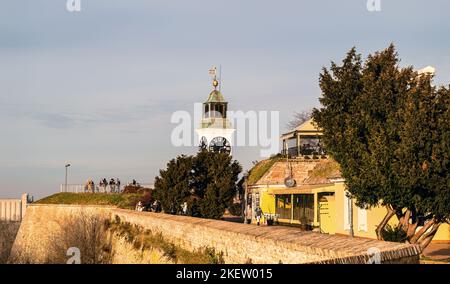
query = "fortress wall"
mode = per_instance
[{"x": 240, "y": 243}]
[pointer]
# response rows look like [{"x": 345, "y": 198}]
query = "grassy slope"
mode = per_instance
[
  {"x": 257, "y": 172},
  {"x": 323, "y": 171},
  {"x": 126, "y": 201},
  {"x": 320, "y": 174}
]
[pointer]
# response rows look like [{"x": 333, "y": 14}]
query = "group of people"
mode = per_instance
[{"x": 113, "y": 186}]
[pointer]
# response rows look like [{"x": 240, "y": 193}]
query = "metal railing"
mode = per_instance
[
  {"x": 304, "y": 151},
  {"x": 83, "y": 188}
]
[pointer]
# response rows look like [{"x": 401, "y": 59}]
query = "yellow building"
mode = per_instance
[{"x": 317, "y": 199}]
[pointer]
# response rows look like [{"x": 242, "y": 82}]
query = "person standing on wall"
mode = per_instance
[
  {"x": 112, "y": 186},
  {"x": 105, "y": 185},
  {"x": 118, "y": 184}
]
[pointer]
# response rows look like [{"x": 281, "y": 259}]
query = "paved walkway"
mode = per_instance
[{"x": 438, "y": 251}]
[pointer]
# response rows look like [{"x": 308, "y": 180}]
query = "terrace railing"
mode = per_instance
[
  {"x": 304, "y": 151},
  {"x": 82, "y": 188}
]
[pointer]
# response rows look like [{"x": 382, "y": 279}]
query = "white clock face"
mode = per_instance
[{"x": 220, "y": 144}]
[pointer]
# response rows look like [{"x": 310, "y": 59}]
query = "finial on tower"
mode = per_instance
[{"x": 213, "y": 72}]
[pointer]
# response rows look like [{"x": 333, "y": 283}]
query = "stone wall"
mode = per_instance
[
  {"x": 34, "y": 240},
  {"x": 240, "y": 243}
]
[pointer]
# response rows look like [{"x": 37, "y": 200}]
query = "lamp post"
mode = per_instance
[
  {"x": 350, "y": 215},
  {"x": 244, "y": 211},
  {"x": 65, "y": 184}
]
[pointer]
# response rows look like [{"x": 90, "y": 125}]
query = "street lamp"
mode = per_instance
[
  {"x": 244, "y": 211},
  {"x": 350, "y": 214},
  {"x": 65, "y": 187}
]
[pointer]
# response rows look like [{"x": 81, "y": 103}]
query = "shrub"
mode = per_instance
[
  {"x": 393, "y": 234},
  {"x": 8, "y": 231},
  {"x": 235, "y": 209},
  {"x": 130, "y": 189},
  {"x": 147, "y": 199},
  {"x": 86, "y": 232},
  {"x": 213, "y": 257}
]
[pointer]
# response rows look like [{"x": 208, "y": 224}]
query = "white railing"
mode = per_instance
[
  {"x": 81, "y": 188},
  {"x": 13, "y": 210}
]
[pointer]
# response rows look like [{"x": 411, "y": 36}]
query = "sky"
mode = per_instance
[{"x": 97, "y": 88}]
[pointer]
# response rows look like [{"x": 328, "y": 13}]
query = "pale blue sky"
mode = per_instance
[{"x": 97, "y": 88}]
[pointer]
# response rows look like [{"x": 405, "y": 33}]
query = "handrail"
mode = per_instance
[{"x": 82, "y": 188}]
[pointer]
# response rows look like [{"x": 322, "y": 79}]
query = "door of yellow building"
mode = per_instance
[{"x": 327, "y": 213}]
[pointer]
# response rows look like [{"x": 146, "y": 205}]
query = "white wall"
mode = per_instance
[{"x": 13, "y": 210}]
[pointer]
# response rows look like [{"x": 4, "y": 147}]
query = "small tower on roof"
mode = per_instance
[{"x": 215, "y": 132}]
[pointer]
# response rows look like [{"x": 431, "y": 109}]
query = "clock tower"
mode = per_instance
[{"x": 215, "y": 132}]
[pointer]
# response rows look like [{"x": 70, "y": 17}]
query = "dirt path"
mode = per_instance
[{"x": 438, "y": 252}]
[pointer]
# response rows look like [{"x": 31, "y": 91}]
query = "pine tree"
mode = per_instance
[
  {"x": 209, "y": 177},
  {"x": 172, "y": 186},
  {"x": 388, "y": 129}
]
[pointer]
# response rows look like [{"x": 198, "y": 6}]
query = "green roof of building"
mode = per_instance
[{"x": 215, "y": 97}]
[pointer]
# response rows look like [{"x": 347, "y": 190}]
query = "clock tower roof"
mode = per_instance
[{"x": 215, "y": 97}]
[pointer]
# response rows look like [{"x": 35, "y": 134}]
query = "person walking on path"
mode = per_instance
[
  {"x": 258, "y": 213},
  {"x": 248, "y": 212},
  {"x": 184, "y": 207}
]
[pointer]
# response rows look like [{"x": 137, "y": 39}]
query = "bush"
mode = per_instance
[
  {"x": 393, "y": 234},
  {"x": 213, "y": 257},
  {"x": 147, "y": 199},
  {"x": 135, "y": 189},
  {"x": 235, "y": 209},
  {"x": 8, "y": 232},
  {"x": 86, "y": 232}
]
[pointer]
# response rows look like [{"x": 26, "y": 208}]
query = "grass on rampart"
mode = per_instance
[
  {"x": 126, "y": 201},
  {"x": 323, "y": 171},
  {"x": 258, "y": 171}
]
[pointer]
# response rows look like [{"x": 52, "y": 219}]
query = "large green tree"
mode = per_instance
[
  {"x": 172, "y": 186},
  {"x": 388, "y": 128},
  {"x": 208, "y": 177}
]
